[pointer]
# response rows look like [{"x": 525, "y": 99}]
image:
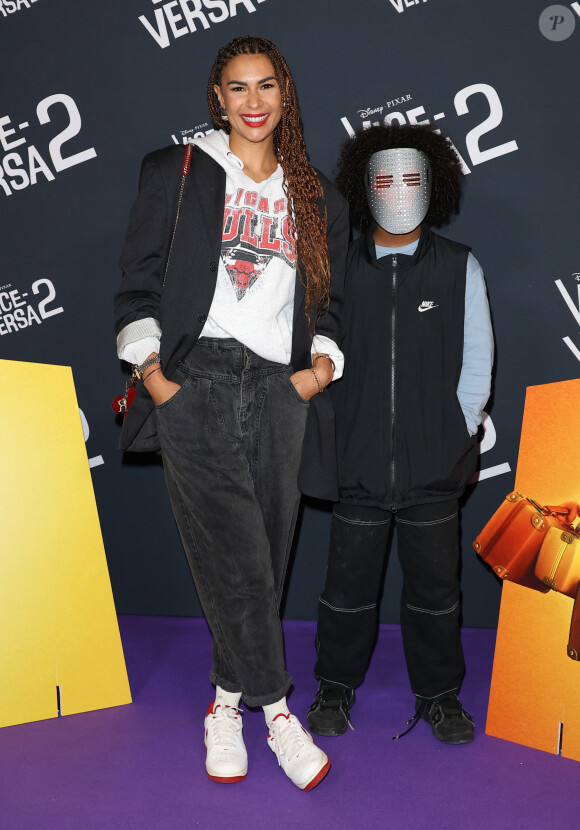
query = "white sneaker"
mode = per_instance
[
  {"x": 227, "y": 759},
  {"x": 302, "y": 761}
]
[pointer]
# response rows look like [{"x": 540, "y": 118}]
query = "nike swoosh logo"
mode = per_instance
[{"x": 427, "y": 306}]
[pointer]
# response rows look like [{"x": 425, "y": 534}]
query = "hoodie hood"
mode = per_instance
[{"x": 217, "y": 145}]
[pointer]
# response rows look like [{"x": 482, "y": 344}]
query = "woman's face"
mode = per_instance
[{"x": 252, "y": 98}]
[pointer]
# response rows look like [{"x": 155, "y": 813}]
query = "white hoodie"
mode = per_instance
[{"x": 254, "y": 296}]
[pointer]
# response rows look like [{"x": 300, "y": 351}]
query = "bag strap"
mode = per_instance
[
  {"x": 558, "y": 511},
  {"x": 186, "y": 167},
  {"x": 574, "y": 638}
]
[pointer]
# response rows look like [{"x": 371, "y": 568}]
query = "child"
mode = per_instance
[{"x": 419, "y": 351}]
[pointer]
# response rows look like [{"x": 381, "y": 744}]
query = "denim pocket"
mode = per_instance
[
  {"x": 295, "y": 393},
  {"x": 177, "y": 394}
]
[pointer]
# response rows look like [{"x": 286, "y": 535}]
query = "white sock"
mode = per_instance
[
  {"x": 229, "y": 698},
  {"x": 273, "y": 709}
]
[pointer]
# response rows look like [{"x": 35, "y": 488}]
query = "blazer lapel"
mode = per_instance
[
  {"x": 194, "y": 262},
  {"x": 209, "y": 189},
  {"x": 196, "y": 249}
]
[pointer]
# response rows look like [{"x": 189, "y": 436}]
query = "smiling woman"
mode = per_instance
[
  {"x": 250, "y": 325},
  {"x": 281, "y": 136},
  {"x": 250, "y": 97}
]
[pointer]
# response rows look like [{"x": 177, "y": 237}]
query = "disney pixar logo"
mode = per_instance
[{"x": 368, "y": 111}]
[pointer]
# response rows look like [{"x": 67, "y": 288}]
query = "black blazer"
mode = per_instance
[{"x": 182, "y": 305}]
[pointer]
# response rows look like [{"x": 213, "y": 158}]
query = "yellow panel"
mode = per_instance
[
  {"x": 535, "y": 686},
  {"x": 56, "y": 606}
]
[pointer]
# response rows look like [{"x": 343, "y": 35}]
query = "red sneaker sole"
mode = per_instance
[
  {"x": 233, "y": 780},
  {"x": 318, "y": 778}
]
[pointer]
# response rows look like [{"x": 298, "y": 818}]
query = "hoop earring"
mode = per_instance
[{"x": 224, "y": 114}]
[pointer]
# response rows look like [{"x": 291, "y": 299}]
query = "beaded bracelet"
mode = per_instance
[
  {"x": 320, "y": 390},
  {"x": 316, "y": 356},
  {"x": 151, "y": 361}
]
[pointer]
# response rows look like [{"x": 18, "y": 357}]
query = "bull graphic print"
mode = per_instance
[
  {"x": 254, "y": 232},
  {"x": 243, "y": 267}
]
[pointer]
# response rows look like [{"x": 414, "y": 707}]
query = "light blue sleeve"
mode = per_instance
[{"x": 474, "y": 384}]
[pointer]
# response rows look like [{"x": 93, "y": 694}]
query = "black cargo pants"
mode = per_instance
[{"x": 428, "y": 549}]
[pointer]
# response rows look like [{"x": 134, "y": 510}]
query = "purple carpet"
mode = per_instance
[{"x": 142, "y": 766}]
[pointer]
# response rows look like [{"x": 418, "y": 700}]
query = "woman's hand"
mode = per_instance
[
  {"x": 305, "y": 382},
  {"x": 160, "y": 388}
]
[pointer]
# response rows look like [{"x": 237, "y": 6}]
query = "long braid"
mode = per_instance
[{"x": 301, "y": 184}]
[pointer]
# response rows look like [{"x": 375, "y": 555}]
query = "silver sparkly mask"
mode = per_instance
[{"x": 398, "y": 188}]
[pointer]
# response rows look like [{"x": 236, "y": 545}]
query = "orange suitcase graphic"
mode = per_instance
[
  {"x": 510, "y": 541},
  {"x": 558, "y": 566},
  {"x": 558, "y": 562}
]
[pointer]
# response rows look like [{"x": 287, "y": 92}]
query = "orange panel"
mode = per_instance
[
  {"x": 535, "y": 686},
  {"x": 548, "y": 463}
]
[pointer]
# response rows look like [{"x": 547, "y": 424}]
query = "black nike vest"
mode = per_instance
[{"x": 401, "y": 434}]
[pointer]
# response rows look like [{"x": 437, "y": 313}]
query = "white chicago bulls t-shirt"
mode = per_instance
[{"x": 254, "y": 295}]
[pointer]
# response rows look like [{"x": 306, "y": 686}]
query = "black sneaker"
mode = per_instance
[
  {"x": 448, "y": 719},
  {"x": 329, "y": 713}
]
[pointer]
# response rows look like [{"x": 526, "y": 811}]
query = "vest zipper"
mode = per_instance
[{"x": 393, "y": 328}]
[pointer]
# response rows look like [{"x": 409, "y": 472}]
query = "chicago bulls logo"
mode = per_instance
[{"x": 244, "y": 267}]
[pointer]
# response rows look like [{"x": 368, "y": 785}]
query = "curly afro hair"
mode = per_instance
[{"x": 447, "y": 176}]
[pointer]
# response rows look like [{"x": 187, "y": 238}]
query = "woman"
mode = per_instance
[{"x": 249, "y": 329}]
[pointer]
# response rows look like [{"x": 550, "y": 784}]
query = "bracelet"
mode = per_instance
[
  {"x": 320, "y": 390},
  {"x": 152, "y": 372},
  {"x": 138, "y": 370},
  {"x": 316, "y": 356}
]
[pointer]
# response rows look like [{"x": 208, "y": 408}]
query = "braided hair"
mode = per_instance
[{"x": 301, "y": 184}]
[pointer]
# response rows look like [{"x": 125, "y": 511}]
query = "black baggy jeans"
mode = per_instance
[
  {"x": 231, "y": 441},
  {"x": 428, "y": 549}
]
